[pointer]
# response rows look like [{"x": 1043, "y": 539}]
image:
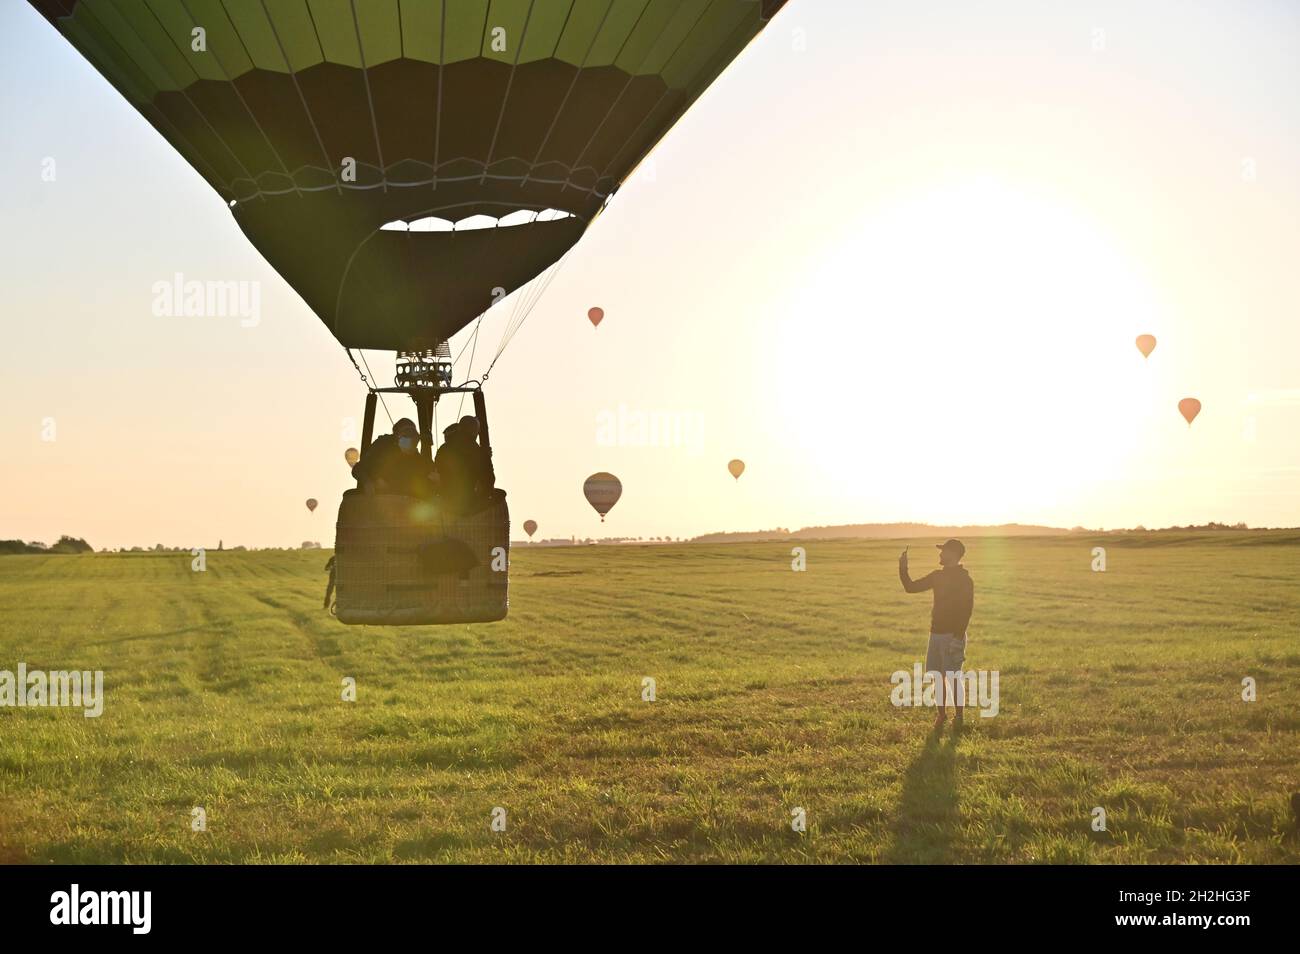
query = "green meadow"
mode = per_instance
[{"x": 1119, "y": 690}]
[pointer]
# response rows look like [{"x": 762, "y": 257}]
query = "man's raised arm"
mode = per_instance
[{"x": 909, "y": 584}]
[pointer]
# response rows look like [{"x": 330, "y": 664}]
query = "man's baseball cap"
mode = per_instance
[{"x": 955, "y": 545}]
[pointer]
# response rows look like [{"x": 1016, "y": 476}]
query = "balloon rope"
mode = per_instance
[
  {"x": 358, "y": 367},
  {"x": 369, "y": 387},
  {"x": 381, "y": 397},
  {"x": 518, "y": 311},
  {"x": 461, "y": 352},
  {"x": 527, "y": 309},
  {"x": 470, "y": 367}
]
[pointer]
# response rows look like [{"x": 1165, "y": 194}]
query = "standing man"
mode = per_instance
[{"x": 954, "y": 599}]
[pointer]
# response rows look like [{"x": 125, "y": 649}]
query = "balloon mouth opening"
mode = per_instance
[{"x": 435, "y": 223}]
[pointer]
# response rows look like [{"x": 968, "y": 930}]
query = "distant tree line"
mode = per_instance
[
  {"x": 65, "y": 544},
  {"x": 1141, "y": 529},
  {"x": 743, "y": 536}
]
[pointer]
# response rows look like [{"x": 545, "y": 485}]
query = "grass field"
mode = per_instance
[{"x": 223, "y": 690}]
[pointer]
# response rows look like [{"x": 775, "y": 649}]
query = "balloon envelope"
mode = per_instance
[
  {"x": 602, "y": 492},
  {"x": 311, "y": 503},
  {"x": 737, "y": 467},
  {"x": 1146, "y": 344},
  {"x": 1189, "y": 408},
  {"x": 328, "y": 127},
  {"x": 595, "y": 315},
  {"x": 530, "y": 527},
  {"x": 352, "y": 455}
]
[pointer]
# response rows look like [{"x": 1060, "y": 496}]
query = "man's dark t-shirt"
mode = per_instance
[
  {"x": 406, "y": 474},
  {"x": 954, "y": 597}
]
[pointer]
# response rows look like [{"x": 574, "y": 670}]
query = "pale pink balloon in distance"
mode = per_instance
[
  {"x": 1189, "y": 408},
  {"x": 602, "y": 491},
  {"x": 1146, "y": 344}
]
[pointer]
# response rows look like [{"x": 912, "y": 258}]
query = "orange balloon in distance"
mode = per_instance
[
  {"x": 595, "y": 315},
  {"x": 530, "y": 527},
  {"x": 602, "y": 491},
  {"x": 311, "y": 503},
  {"x": 737, "y": 467},
  {"x": 1146, "y": 344},
  {"x": 1189, "y": 408},
  {"x": 352, "y": 455}
]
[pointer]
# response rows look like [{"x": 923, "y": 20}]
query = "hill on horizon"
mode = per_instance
[
  {"x": 900, "y": 531},
  {"x": 883, "y": 530}
]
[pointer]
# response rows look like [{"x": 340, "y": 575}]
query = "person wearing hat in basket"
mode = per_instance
[
  {"x": 392, "y": 464},
  {"x": 954, "y": 599}
]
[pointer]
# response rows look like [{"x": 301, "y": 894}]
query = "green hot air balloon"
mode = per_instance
[
  {"x": 402, "y": 163},
  {"x": 321, "y": 122}
]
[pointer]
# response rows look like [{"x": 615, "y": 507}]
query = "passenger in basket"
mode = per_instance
[
  {"x": 464, "y": 468},
  {"x": 392, "y": 464}
]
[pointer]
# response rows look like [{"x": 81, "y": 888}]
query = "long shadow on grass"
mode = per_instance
[{"x": 927, "y": 815}]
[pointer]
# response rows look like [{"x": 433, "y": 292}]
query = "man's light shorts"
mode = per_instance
[{"x": 946, "y": 652}]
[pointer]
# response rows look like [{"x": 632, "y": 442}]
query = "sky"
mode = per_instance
[{"x": 895, "y": 259}]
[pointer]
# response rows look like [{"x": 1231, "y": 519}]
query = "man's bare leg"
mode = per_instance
[{"x": 958, "y": 702}]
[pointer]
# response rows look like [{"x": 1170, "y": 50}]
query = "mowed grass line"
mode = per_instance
[{"x": 1119, "y": 689}]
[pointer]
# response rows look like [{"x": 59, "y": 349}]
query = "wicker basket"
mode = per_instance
[{"x": 383, "y": 574}]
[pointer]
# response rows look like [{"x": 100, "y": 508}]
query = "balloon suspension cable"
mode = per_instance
[
  {"x": 528, "y": 298},
  {"x": 473, "y": 340},
  {"x": 364, "y": 380}
]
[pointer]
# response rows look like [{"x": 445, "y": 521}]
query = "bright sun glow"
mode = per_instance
[{"x": 983, "y": 361}]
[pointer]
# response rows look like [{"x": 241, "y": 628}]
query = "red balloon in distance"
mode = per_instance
[
  {"x": 1189, "y": 408},
  {"x": 311, "y": 503},
  {"x": 1146, "y": 344},
  {"x": 595, "y": 314},
  {"x": 530, "y": 527}
]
